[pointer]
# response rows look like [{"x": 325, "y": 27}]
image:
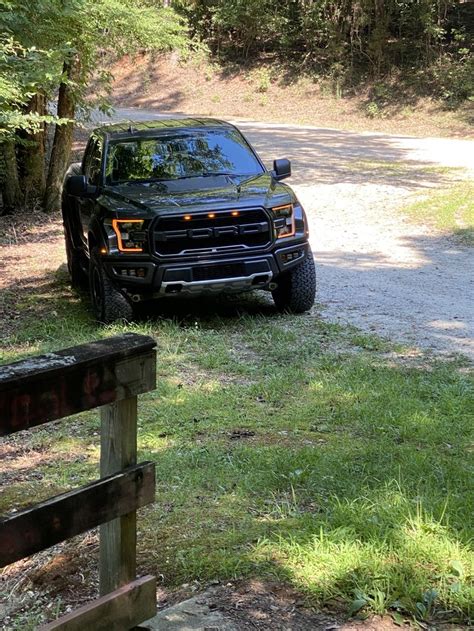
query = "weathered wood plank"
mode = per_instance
[
  {"x": 122, "y": 609},
  {"x": 117, "y": 347},
  {"x": 118, "y": 538},
  {"x": 72, "y": 513},
  {"x": 56, "y": 385}
]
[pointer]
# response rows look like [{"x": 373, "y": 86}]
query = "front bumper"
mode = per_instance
[{"x": 197, "y": 277}]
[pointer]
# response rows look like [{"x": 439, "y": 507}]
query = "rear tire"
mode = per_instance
[
  {"x": 296, "y": 289},
  {"x": 108, "y": 303}
]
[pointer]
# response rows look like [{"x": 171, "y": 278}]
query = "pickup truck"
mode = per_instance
[{"x": 185, "y": 207}]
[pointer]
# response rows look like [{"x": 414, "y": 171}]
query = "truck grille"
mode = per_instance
[
  {"x": 214, "y": 272},
  {"x": 210, "y": 231}
]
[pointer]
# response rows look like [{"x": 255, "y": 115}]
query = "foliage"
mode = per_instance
[
  {"x": 22, "y": 72},
  {"x": 87, "y": 28},
  {"x": 345, "y": 40},
  {"x": 453, "y": 76},
  {"x": 54, "y": 47}
]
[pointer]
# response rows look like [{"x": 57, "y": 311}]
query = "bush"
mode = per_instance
[{"x": 453, "y": 77}]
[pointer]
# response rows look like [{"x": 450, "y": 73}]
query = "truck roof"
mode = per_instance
[{"x": 129, "y": 128}]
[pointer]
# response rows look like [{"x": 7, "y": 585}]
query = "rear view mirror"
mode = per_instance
[{"x": 281, "y": 168}]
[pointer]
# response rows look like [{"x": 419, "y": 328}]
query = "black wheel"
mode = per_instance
[
  {"x": 108, "y": 303},
  {"x": 77, "y": 274},
  {"x": 296, "y": 288}
]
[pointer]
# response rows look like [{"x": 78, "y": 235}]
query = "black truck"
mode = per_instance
[{"x": 182, "y": 208}]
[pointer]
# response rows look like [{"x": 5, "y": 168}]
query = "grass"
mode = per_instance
[
  {"x": 285, "y": 447},
  {"x": 451, "y": 210},
  {"x": 394, "y": 169}
]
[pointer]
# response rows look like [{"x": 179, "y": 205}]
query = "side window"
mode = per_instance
[{"x": 93, "y": 162}]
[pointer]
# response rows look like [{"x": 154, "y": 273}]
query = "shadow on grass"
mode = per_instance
[
  {"x": 341, "y": 474},
  {"x": 335, "y": 520},
  {"x": 465, "y": 236},
  {"x": 393, "y": 94}
]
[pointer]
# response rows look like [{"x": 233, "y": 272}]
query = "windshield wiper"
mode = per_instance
[
  {"x": 188, "y": 177},
  {"x": 211, "y": 174},
  {"x": 172, "y": 179}
]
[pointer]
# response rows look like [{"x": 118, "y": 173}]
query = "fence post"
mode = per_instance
[
  {"x": 118, "y": 538},
  {"x": 108, "y": 373}
]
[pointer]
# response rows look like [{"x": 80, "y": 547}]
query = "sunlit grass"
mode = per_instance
[
  {"x": 285, "y": 447},
  {"x": 451, "y": 210}
]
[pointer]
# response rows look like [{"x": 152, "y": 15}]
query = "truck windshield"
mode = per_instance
[{"x": 180, "y": 155}]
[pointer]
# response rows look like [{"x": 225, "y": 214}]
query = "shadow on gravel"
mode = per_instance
[
  {"x": 426, "y": 303},
  {"x": 329, "y": 156}
]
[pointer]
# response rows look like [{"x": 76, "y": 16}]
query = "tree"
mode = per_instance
[
  {"x": 368, "y": 38},
  {"x": 74, "y": 35},
  {"x": 18, "y": 120}
]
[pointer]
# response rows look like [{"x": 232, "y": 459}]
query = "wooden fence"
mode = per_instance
[{"x": 108, "y": 374}]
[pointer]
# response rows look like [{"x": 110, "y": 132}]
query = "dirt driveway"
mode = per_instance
[{"x": 376, "y": 269}]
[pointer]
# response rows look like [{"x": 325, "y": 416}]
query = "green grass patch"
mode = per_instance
[
  {"x": 451, "y": 210},
  {"x": 285, "y": 447},
  {"x": 404, "y": 169}
]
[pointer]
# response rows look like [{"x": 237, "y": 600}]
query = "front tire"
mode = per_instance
[
  {"x": 108, "y": 303},
  {"x": 296, "y": 289}
]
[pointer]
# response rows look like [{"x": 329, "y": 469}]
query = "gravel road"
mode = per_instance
[{"x": 376, "y": 270}]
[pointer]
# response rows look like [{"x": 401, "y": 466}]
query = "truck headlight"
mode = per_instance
[
  {"x": 284, "y": 221},
  {"x": 130, "y": 237}
]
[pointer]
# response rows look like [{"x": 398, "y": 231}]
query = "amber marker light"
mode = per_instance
[
  {"x": 103, "y": 250},
  {"x": 235, "y": 213},
  {"x": 121, "y": 224},
  {"x": 187, "y": 217},
  {"x": 211, "y": 215}
]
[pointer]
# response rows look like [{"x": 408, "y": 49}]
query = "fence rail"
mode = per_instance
[{"x": 108, "y": 374}]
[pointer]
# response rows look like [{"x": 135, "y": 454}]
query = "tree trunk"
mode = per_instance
[
  {"x": 11, "y": 192},
  {"x": 62, "y": 139},
  {"x": 32, "y": 155}
]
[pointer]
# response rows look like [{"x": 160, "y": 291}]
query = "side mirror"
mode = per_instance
[
  {"x": 77, "y": 185},
  {"x": 282, "y": 168}
]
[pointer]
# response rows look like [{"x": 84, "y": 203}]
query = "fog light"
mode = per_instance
[
  {"x": 287, "y": 257},
  {"x": 131, "y": 272}
]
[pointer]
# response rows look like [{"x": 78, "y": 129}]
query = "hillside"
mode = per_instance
[{"x": 271, "y": 93}]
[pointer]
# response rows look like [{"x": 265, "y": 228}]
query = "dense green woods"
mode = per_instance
[
  {"x": 348, "y": 41},
  {"x": 371, "y": 35},
  {"x": 50, "y": 49}
]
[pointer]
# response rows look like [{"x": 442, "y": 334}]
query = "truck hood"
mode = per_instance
[{"x": 209, "y": 192}]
